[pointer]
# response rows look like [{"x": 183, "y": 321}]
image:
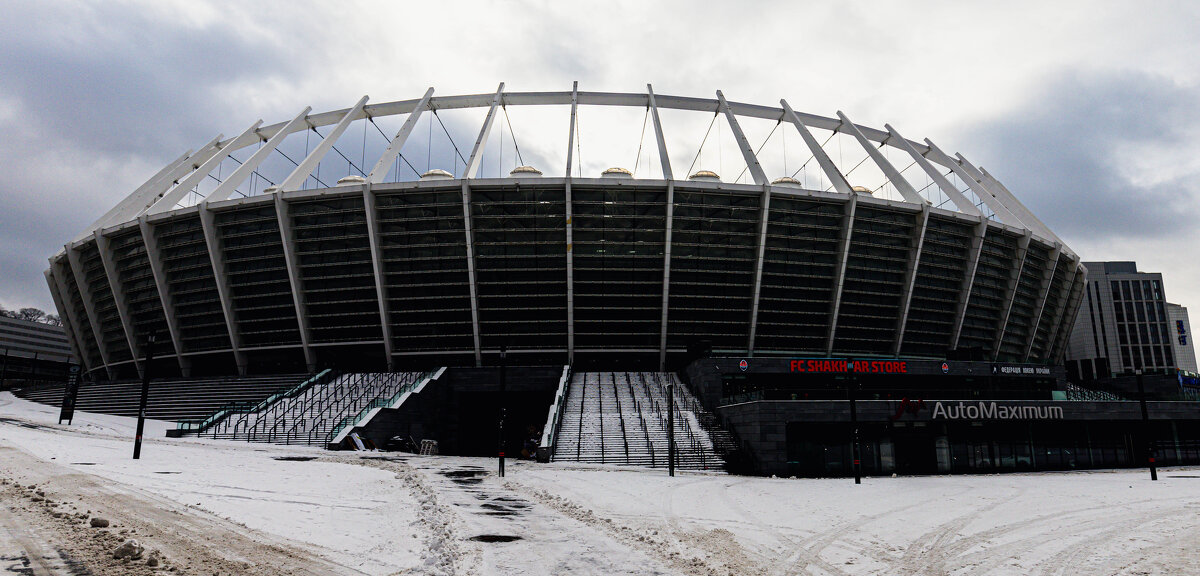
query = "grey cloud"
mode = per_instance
[
  {"x": 1061, "y": 154},
  {"x": 102, "y": 95}
]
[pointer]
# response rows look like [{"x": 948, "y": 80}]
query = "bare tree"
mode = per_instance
[
  {"x": 52, "y": 320},
  {"x": 31, "y": 314}
]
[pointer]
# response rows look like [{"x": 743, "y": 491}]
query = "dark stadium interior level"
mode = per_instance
[
  {"x": 908, "y": 448},
  {"x": 746, "y": 387},
  {"x": 461, "y": 409}
]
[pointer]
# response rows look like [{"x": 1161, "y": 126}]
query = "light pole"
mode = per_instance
[
  {"x": 141, "y": 424},
  {"x": 1146, "y": 427},
  {"x": 670, "y": 428},
  {"x": 503, "y": 386},
  {"x": 851, "y": 383}
]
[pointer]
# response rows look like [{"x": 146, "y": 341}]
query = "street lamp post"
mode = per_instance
[
  {"x": 141, "y": 424},
  {"x": 851, "y": 384},
  {"x": 670, "y": 428},
  {"x": 503, "y": 386},
  {"x": 1146, "y": 427}
]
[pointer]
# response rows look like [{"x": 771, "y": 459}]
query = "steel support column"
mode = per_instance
[
  {"x": 910, "y": 280},
  {"x": 57, "y": 274},
  {"x": 152, "y": 187},
  {"x": 385, "y": 317},
  {"x": 216, "y": 257},
  {"x": 119, "y": 300},
  {"x": 981, "y": 191},
  {"x": 968, "y": 282},
  {"x": 67, "y": 323},
  {"x": 570, "y": 215},
  {"x": 251, "y": 164},
  {"x": 964, "y": 205},
  {"x": 1014, "y": 281},
  {"x": 470, "y": 171},
  {"x": 839, "y": 277},
  {"x": 669, "y": 176},
  {"x": 894, "y": 176},
  {"x": 470, "y": 236},
  {"x": 1012, "y": 202},
  {"x": 287, "y": 237},
  {"x": 306, "y": 167},
  {"x": 748, "y": 155},
  {"x": 1066, "y": 317},
  {"x": 379, "y": 172},
  {"x": 85, "y": 294},
  {"x": 183, "y": 187},
  {"x": 764, "y": 220},
  {"x": 154, "y": 257},
  {"x": 481, "y": 141},
  {"x": 1043, "y": 293},
  {"x": 835, "y": 176}
]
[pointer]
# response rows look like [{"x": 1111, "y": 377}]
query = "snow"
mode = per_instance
[
  {"x": 395, "y": 513},
  {"x": 356, "y": 515}
]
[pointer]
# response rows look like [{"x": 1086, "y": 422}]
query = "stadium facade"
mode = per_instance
[{"x": 609, "y": 271}]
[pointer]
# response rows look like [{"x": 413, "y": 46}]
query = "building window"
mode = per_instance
[
  {"x": 1125, "y": 290},
  {"x": 1116, "y": 289},
  {"x": 1137, "y": 290}
]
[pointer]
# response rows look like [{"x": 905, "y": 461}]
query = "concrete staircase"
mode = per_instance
[
  {"x": 621, "y": 418},
  {"x": 313, "y": 415},
  {"x": 174, "y": 400}
]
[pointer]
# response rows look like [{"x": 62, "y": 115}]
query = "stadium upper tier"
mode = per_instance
[{"x": 232, "y": 269}]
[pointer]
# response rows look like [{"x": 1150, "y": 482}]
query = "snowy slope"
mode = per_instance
[{"x": 389, "y": 513}]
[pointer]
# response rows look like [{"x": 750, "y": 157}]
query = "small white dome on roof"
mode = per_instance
[
  {"x": 787, "y": 182},
  {"x": 270, "y": 190},
  {"x": 616, "y": 172},
  {"x": 437, "y": 174},
  {"x": 524, "y": 172},
  {"x": 352, "y": 179},
  {"x": 705, "y": 176},
  {"x": 862, "y": 190}
]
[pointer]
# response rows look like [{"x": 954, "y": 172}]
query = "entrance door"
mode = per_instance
[{"x": 915, "y": 450}]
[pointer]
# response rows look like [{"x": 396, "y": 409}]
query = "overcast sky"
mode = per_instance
[{"x": 1088, "y": 112}]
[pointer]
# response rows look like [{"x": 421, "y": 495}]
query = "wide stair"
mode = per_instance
[
  {"x": 173, "y": 400},
  {"x": 622, "y": 418},
  {"x": 314, "y": 414}
]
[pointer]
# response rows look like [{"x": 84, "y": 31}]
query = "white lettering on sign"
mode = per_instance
[
  {"x": 993, "y": 411},
  {"x": 1036, "y": 370}
]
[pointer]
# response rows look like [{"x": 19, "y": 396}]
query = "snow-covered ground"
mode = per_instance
[{"x": 387, "y": 513}]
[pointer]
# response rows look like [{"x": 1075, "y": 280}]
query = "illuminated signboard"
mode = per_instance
[
  {"x": 827, "y": 366},
  {"x": 1179, "y": 327}
]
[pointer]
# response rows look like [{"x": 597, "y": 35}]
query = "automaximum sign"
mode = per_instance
[
  {"x": 994, "y": 411},
  {"x": 977, "y": 411}
]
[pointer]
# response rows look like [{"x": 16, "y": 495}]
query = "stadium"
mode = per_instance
[{"x": 581, "y": 301}]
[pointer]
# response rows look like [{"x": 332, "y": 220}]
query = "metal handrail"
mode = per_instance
[
  {"x": 621, "y": 419},
  {"x": 555, "y": 416},
  {"x": 245, "y": 407},
  {"x": 379, "y": 402}
]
